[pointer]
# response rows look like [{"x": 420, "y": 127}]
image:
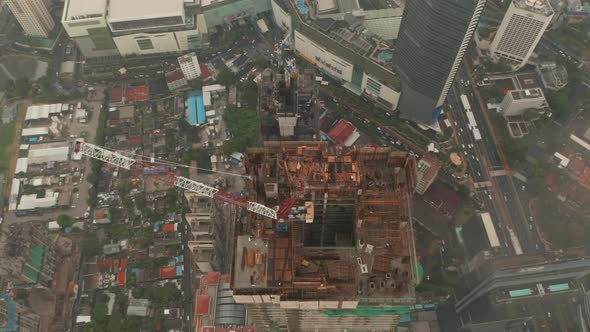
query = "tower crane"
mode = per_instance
[{"x": 120, "y": 160}]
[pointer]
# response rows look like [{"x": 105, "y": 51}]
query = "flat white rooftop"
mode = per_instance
[
  {"x": 74, "y": 8},
  {"x": 130, "y": 10}
]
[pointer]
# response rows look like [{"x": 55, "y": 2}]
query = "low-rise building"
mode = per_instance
[
  {"x": 175, "y": 80},
  {"x": 517, "y": 102},
  {"x": 553, "y": 75},
  {"x": 344, "y": 133},
  {"x": 138, "y": 307}
]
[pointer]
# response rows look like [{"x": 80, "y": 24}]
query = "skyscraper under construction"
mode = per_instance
[{"x": 341, "y": 256}]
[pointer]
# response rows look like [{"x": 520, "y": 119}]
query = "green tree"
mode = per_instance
[
  {"x": 226, "y": 77},
  {"x": 119, "y": 232},
  {"x": 115, "y": 322},
  {"x": 90, "y": 245},
  {"x": 140, "y": 202},
  {"x": 100, "y": 313},
  {"x": 44, "y": 85},
  {"x": 22, "y": 87},
  {"x": 261, "y": 61},
  {"x": 559, "y": 101},
  {"x": 65, "y": 221}
]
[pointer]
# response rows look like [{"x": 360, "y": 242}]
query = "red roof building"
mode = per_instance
[
  {"x": 174, "y": 76},
  {"x": 122, "y": 278},
  {"x": 343, "y": 132},
  {"x": 137, "y": 93},
  {"x": 208, "y": 329},
  {"x": 576, "y": 166},
  {"x": 212, "y": 278},
  {"x": 205, "y": 73},
  {"x": 117, "y": 95},
  {"x": 203, "y": 302},
  {"x": 169, "y": 227},
  {"x": 551, "y": 182},
  {"x": 168, "y": 272},
  {"x": 585, "y": 179}
]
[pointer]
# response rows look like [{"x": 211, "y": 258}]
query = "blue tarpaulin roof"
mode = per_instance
[
  {"x": 196, "y": 108},
  {"x": 10, "y": 314}
]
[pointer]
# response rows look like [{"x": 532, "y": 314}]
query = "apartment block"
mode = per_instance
[
  {"x": 520, "y": 31},
  {"x": 189, "y": 64},
  {"x": 33, "y": 16},
  {"x": 427, "y": 172}
]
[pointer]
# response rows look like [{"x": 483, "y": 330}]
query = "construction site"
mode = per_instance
[
  {"x": 37, "y": 268},
  {"x": 343, "y": 242},
  {"x": 288, "y": 104}
]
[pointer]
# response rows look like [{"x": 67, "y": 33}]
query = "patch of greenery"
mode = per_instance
[
  {"x": 496, "y": 67},
  {"x": 561, "y": 226},
  {"x": 572, "y": 38},
  {"x": 514, "y": 149},
  {"x": 559, "y": 101},
  {"x": 65, "y": 221},
  {"x": 7, "y": 133},
  {"x": 226, "y": 77},
  {"x": 245, "y": 127},
  {"x": 90, "y": 245}
]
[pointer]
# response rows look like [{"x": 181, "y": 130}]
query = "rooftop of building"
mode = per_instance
[
  {"x": 342, "y": 131},
  {"x": 554, "y": 76},
  {"x": 174, "y": 76},
  {"x": 186, "y": 58},
  {"x": 131, "y": 10},
  {"x": 347, "y": 51},
  {"x": 527, "y": 94},
  {"x": 429, "y": 165},
  {"x": 542, "y": 7},
  {"x": 81, "y": 9},
  {"x": 527, "y": 80},
  {"x": 336, "y": 244},
  {"x": 372, "y": 5}
]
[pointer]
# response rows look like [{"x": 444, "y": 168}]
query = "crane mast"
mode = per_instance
[{"x": 119, "y": 160}]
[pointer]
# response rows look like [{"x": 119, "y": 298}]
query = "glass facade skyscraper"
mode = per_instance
[{"x": 433, "y": 38}]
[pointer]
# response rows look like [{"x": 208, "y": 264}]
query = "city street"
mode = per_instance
[{"x": 497, "y": 191}]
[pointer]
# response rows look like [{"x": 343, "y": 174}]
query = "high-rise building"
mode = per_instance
[
  {"x": 432, "y": 41},
  {"x": 86, "y": 23},
  {"x": 189, "y": 64},
  {"x": 426, "y": 171},
  {"x": 33, "y": 16},
  {"x": 520, "y": 31}
]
